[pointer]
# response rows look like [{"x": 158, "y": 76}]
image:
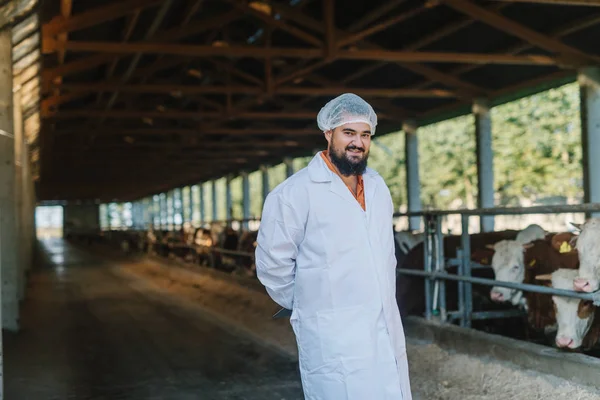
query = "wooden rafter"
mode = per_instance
[
  {"x": 569, "y": 54},
  {"x": 95, "y": 16},
  {"x": 291, "y": 52},
  {"x": 224, "y": 90},
  {"x": 589, "y": 3},
  {"x": 466, "y": 89},
  {"x": 569, "y": 28},
  {"x": 292, "y": 30},
  {"x": 192, "y": 132}
]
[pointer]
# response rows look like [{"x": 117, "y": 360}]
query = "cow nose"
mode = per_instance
[
  {"x": 564, "y": 341},
  {"x": 497, "y": 296}
]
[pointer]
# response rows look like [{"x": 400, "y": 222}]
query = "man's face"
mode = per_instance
[{"x": 349, "y": 147}]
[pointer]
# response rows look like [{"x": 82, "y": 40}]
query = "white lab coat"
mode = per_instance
[{"x": 333, "y": 264}]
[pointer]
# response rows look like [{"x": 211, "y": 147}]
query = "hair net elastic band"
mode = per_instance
[{"x": 354, "y": 121}]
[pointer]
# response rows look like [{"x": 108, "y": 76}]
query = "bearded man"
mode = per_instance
[{"x": 325, "y": 250}]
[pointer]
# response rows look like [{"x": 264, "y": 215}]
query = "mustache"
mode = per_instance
[{"x": 353, "y": 147}]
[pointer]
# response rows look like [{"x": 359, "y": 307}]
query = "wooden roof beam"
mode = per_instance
[
  {"x": 589, "y": 3},
  {"x": 170, "y": 35},
  {"x": 198, "y": 132},
  {"x": 303, "y": 53},
  {"x": 570, "y": 55},
  {"x": 466, "y": 89},
  {"x": 279, "y": 24},
  {"x": 565, "y": 30},
  {"x": 95, "y": 16},
  {"x": 374, "y": 14},
  {"x": 172, "y": 114},
  {"x": 294, "y": 91}
]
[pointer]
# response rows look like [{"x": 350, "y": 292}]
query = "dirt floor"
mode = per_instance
[{"x": 435, "y": 373}]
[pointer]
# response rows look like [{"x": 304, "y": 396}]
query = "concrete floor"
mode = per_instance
[{"x": 87, "y": 334}]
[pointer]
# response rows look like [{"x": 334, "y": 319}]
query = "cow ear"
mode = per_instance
[
  {"x": 490, "y": 246},
  {"x": 527, "y": 246},
  {"x": 576, "y": 226}
]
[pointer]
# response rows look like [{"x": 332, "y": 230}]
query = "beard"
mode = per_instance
[{"x": 348, "y": 165}]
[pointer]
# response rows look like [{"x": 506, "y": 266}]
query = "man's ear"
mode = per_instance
[{"x": 328, "y": 135}]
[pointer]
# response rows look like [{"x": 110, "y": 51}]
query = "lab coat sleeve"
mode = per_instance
[{"x": 279, "y": 236}]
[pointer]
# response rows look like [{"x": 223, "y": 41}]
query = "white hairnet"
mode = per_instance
[{"x": 345, "y": 109}]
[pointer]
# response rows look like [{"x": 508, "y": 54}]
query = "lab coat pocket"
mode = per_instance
[{"x": 344, "y": 332}]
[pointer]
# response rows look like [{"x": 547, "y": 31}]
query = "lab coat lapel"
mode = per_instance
[
  {"x": 370, "y": 186},
  {"x": 338, "y": 187},
  {"x": 320, "y": 172}
]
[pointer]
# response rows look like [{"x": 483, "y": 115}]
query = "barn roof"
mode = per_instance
[{"x": 141, "y": 96}]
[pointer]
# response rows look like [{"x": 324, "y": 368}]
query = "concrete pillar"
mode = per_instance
[
  {"x": 9, "y": 270},
  {"x": 191, "y": 204},
  {"x": 265, "y": 182},
  {"x": 20, "y": 185},
  {"x": 202, "y": 204},
  {"x": 485, "y": 162},
  {"x": 289, "y": 166},
  {"x": 413, "y": 185},
  {"x": 589, "y": 89},
  {"x": 246, "y": 198},
  {"x": 163, "y": 211},
  {"x": 214, "y": 200},
  {"x": 229, "y": 202}
]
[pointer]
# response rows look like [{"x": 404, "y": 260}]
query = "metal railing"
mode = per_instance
[{"x": 434, "y": 264}]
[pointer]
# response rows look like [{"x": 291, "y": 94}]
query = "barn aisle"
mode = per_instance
[{"x": 86, "y": 334}]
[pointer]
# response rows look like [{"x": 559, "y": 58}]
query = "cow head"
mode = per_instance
[
  {"x": 509, "y": 266},
  {"x": 574, "y": 317},
  {"x": 588, "y": 279}
]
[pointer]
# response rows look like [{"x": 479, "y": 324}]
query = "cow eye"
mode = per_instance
[{"x": 515, "y": 268}]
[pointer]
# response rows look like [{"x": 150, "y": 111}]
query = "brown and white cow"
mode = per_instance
[
  {"x": 588, "y": 247},
  {"x": 578, "y": 320},
  {"x": 522, "y": 263}
]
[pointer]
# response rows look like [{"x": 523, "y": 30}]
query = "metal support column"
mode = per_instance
[
  {"x": 229, "y": 202},
  {"x": 465, "y": 289},
  {"x": 191, "y": 205},
  {"x": 202, "y": 204},
  {"x": 485, "y": 162},
  {"x": 589, "y": 89},
  {"x": 9, "y": 269},
  {"x": 214, "y": 199},
  {"x": 413, "y": 185},
  {"x": 246, "y": 198},
  {"x": 289, "y": 166},
  {"x": 265, "y": 182}
]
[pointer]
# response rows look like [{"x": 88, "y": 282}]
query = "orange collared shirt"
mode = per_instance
[{"x": 360, "y": 187}]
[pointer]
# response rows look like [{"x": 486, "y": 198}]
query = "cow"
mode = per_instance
[
  {"x": 531, "y": 233},
  {"x": 521, "y": 263},
  {"x": 588, "y": 279},
  {"x": 406, "y": 240},
  {"x": 410, "y": 291},
  {"x": 578, "y": 320}
]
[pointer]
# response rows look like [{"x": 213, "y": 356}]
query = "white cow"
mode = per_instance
[
  {"x": 531, "y": 233},
  {"x": 588, "y": 247},
  {"x": 574, "y": 317},
  {"x": 508, "y": 263},
  {"x": 407, "y": 240}
]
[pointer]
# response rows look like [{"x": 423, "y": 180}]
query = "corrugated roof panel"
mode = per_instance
[
  {"x": 15, "y": 9},
  {"x": 25, "y": 28},
  {"x": 25, "y": 47},
  {"x": 26, "y": 61},
  {"x": 32, "y": 127},
  {"x": 26, "y": 74}
]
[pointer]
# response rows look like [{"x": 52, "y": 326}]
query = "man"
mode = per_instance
[{"x": 326, "y": 251}]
